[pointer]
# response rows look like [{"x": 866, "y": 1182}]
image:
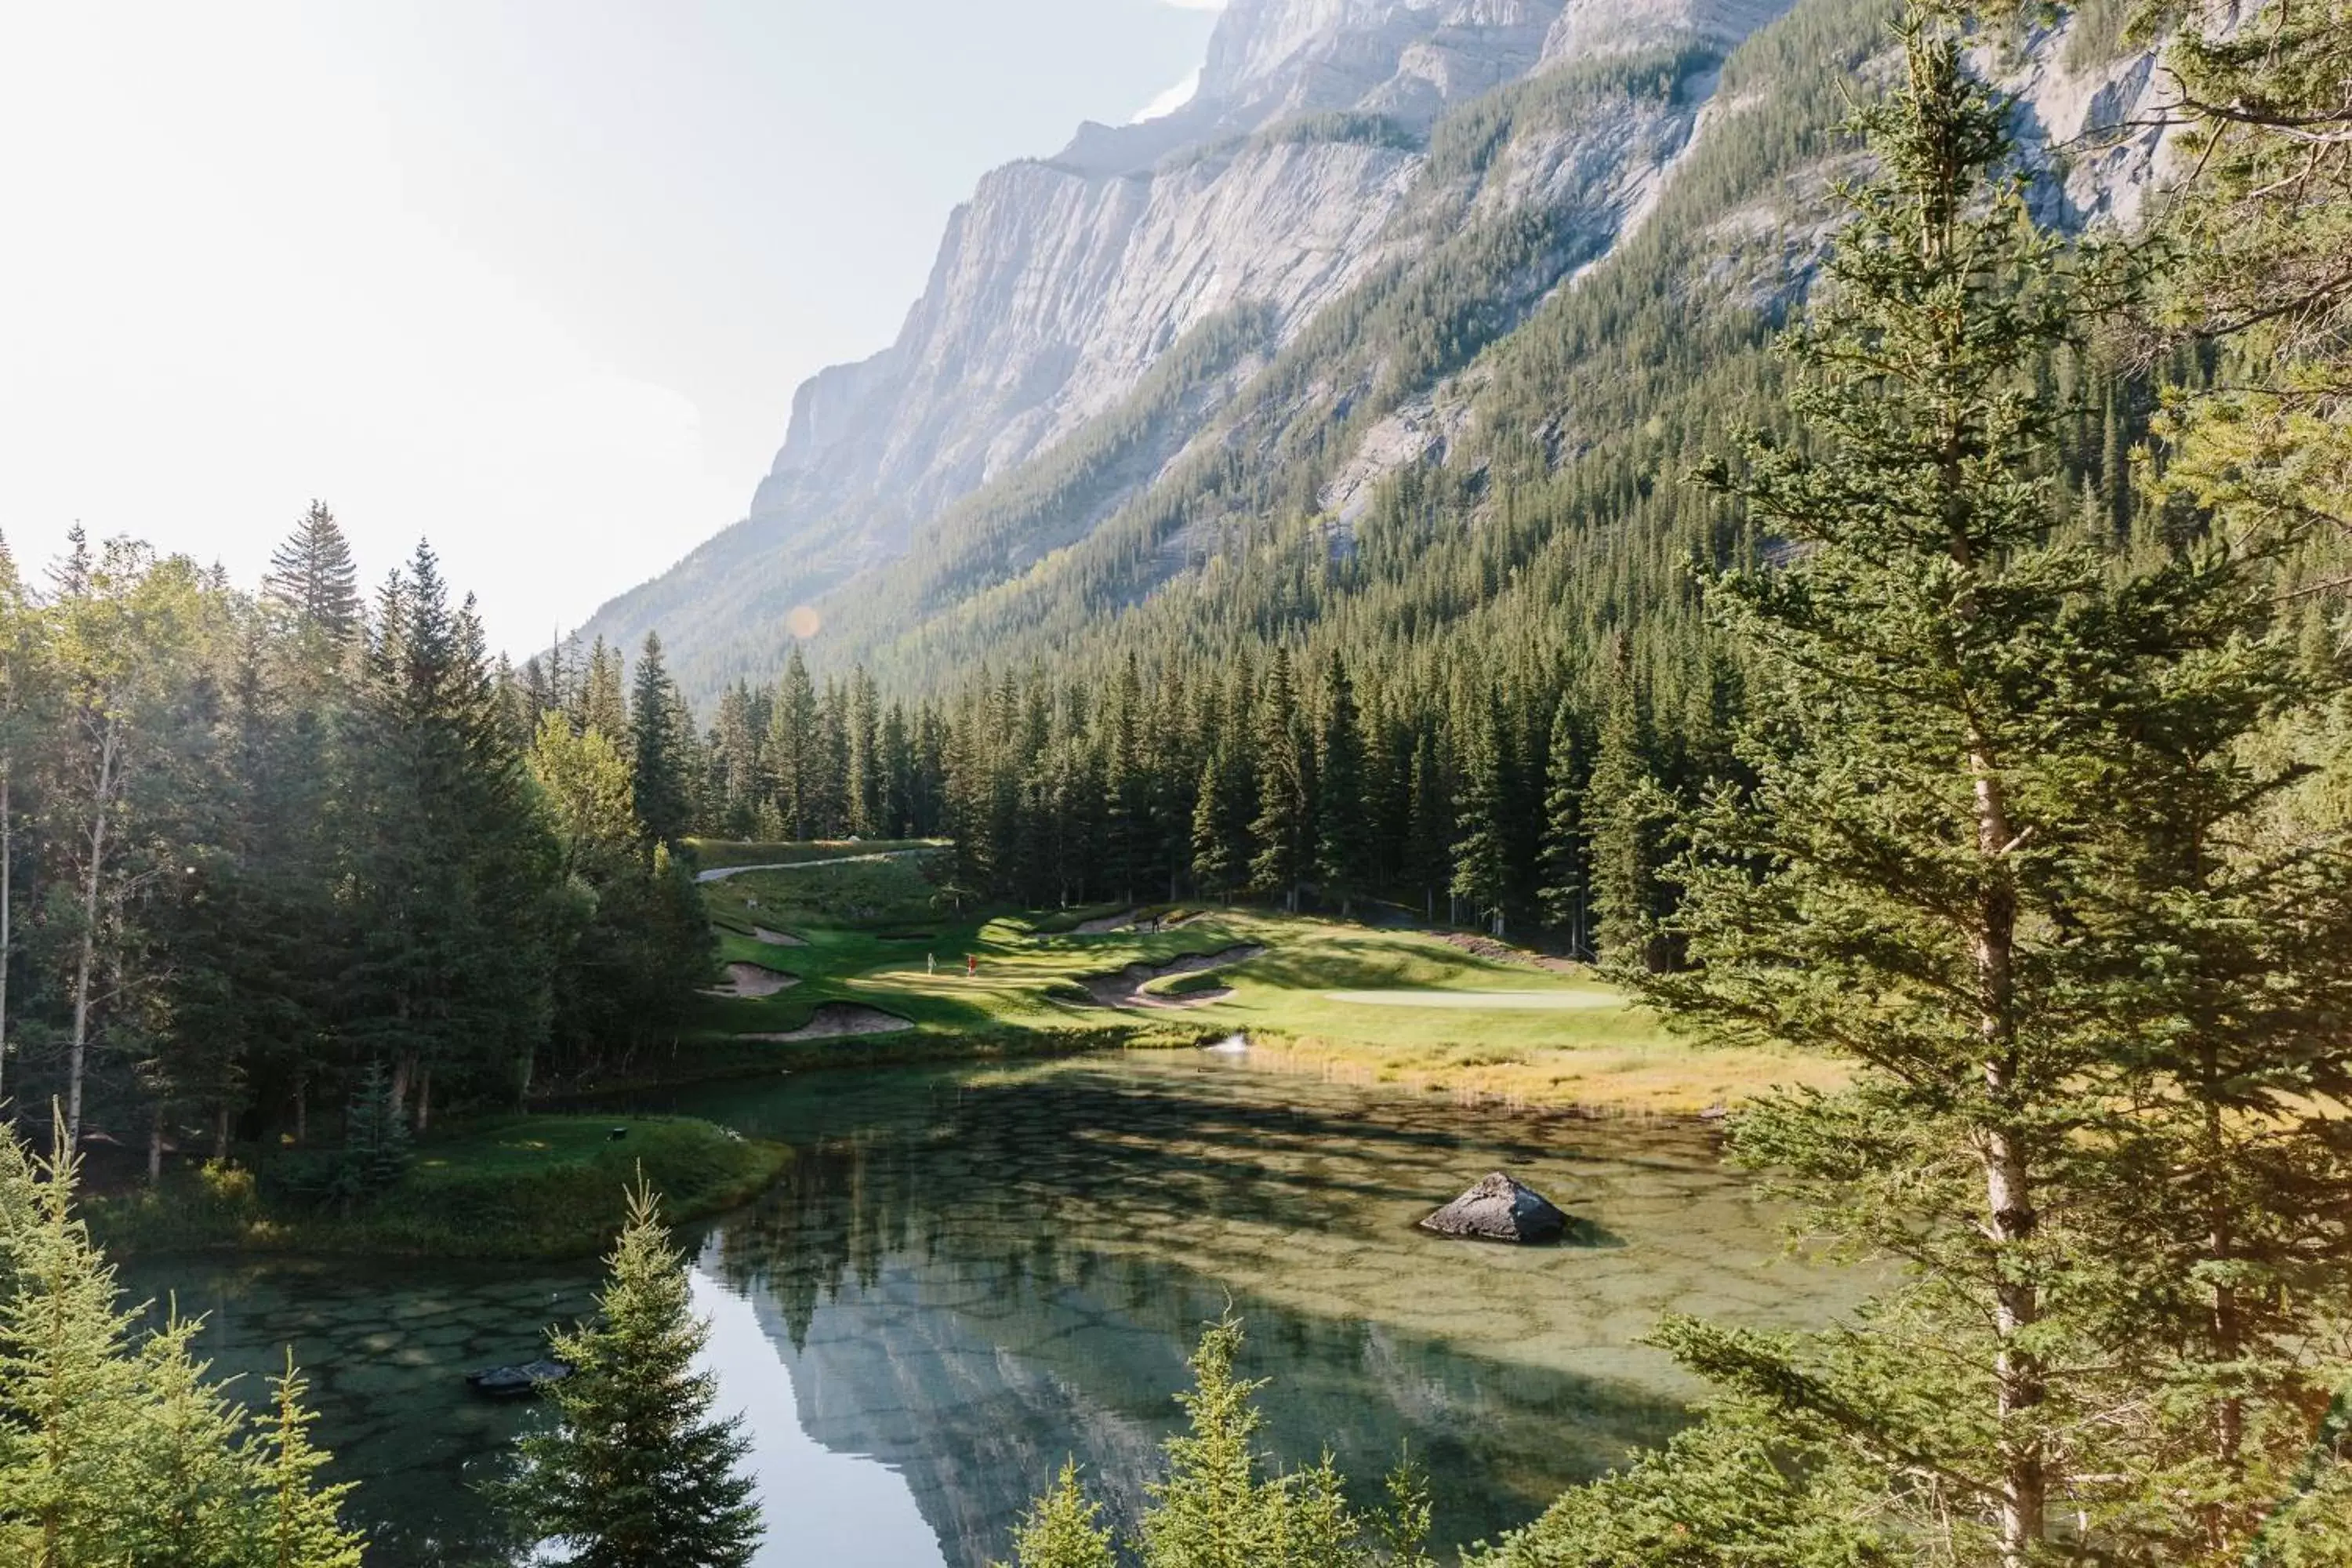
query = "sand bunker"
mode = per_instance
[
  {"x": 832, "y": 1018},
  {"x": 753, "y": 980},
  {"x": 1524, "y": 1001},
  {"x": 777, "y": 937},
  {"x": 1126, "y": 988},
  {"x": 1105, "y": 923}
]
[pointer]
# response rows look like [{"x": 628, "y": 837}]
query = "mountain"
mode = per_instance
[{"x": 1155, "y": 372}]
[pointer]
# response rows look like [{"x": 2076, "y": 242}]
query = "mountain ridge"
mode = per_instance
[{"x": 1366, "y": 199}]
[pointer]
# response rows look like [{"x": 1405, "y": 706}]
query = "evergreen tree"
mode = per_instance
[
  {"x": 1431, "y": 818},
  {"x": 659, "y": 774},
  {"x": 861, "y": 764},
  {"x": 1482, "y": 856},
  {"x": 792, "y": 742},
  {"x": 1222, "y": 1506},
  {"x": 635, "y": 1473},
  {"x": 119, "y": 1453},
  {"x": 71, "y": 1385},
  {"x": 602, "y": 706},
  {"x": 1279, "y": 832},
  {"x": 302, "y": 1526},
  {"x": 1562, "y": 894},
  {"x": 313, "y": 579},
  {"x": 1342, "y": 861},
  {"x": 1631, "y": 817},
  {"x": 2006, "y": 854},
  {"x": 376, "y": 1150},
  {"x": 1060, "y": 1531}
]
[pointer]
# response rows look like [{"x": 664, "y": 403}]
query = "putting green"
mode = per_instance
[{"x": 1536, "y": 1001}]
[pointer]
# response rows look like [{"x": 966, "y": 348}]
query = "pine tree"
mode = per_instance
[
  {"x": 376, "y": 1150},
  {"x": 602, "y": 706},
  {"x": 659, "y": 771},
  {"x": 1630, "y": 816},
  {"x": 1216, "y": 1509},
  {"x": 861, "y": 763},
  {"x": 1220, "y": 830},
  {"x": 302, "y": 1526},
  {"x": 313, "y": 578},
  {"x": 635, "y": 1473},
  {"x": 1342, "y": 861},
  {"x": 313, "y": 586},
  {"x": 1060, "y": 1531},
  {"x": 1563, "y": 894},
  {"x": 1279, "y": 832},
  {"x": 188, "y": 1476},
  {"x": 2006, "y": 854},
  {"x": 1481, "y": 855},
  {"x": 64, "y": 1370},
  {"x": 1431, "y": 818},
  {"x": 792, "y": 749}
]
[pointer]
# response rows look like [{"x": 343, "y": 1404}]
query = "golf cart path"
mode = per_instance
[
  {"x": 721, "y": 873},
  {"x": 1528, "y": 1001}
]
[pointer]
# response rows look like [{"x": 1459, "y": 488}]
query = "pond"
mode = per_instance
[{"x": 972, "y": 1272}]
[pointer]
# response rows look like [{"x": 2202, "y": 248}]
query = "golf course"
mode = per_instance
[{"x": 844, "y": 952}]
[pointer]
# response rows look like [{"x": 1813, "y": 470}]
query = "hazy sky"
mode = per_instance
[{"x": 535, "y": 279}]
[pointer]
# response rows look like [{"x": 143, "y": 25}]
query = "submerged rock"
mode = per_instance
[
  {"x": 1500, "y": 1209},
  {"x": 505, "y": 1381}
]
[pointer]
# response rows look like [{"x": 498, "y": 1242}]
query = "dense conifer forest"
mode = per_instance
[{"x": 259, "y": 846}]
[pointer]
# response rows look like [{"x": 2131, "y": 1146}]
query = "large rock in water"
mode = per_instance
[{"x": 1500, "y": 1209}]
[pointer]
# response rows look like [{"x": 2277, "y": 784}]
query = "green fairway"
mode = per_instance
[{"x": 877, "y": 952}]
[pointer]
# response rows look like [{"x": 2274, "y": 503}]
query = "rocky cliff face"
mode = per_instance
[{"x": 1336, "y": 152}]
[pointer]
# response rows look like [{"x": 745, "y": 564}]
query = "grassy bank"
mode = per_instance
[
  {"x": 517, "y": 1186},
  {"x": 873, "y": 960}
]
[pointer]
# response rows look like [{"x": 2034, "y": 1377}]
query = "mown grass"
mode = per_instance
[
  {"x": 515, "y": 1186},
  {"x": 885, "y": 935}
]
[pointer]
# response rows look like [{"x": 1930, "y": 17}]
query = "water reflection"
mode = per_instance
[
  {"x": 969, "y": 1274},
  {"x": 974, "y": 1275}
]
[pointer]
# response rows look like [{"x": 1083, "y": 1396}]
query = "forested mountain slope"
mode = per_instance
[{"x": 1519, "y": 252}]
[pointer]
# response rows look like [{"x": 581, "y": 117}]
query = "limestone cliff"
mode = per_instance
[{"x": 1351, "y": 176}]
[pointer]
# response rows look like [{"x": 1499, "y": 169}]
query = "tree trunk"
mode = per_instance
[
  {"x": 86, "y": 963},
  {"x": 220, "y": 1134},
  {"x": 2009, "y": 1191},
  {"x": 424, "y": 1098},
  {"x": 155, "y": 1146},
  {"x": 2227, "y": 1330},
  {"x": 403, "y": 1067},
  {"x": 301, "y": 1107}
]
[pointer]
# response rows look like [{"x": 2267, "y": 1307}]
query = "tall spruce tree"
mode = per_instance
[
  {"x": 1342, "y": 859},
  {"x": 1279, "y": 832},
  {"x": 313, "y": 586},
  {"x": 659, "y": 779},
  {"x": 1630, "y": 816},
  {"x": 1481, "y": 855},
  {"x": 603, "y": 704},
  {"x": 792, "y": 742},
  {"x": 635, "y": 1472},
  {"x": 2009, "y": 853},
  {"x": 1562, "y": 892}
]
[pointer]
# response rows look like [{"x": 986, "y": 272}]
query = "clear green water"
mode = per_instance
[{"x": 971, "y": 1272}]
